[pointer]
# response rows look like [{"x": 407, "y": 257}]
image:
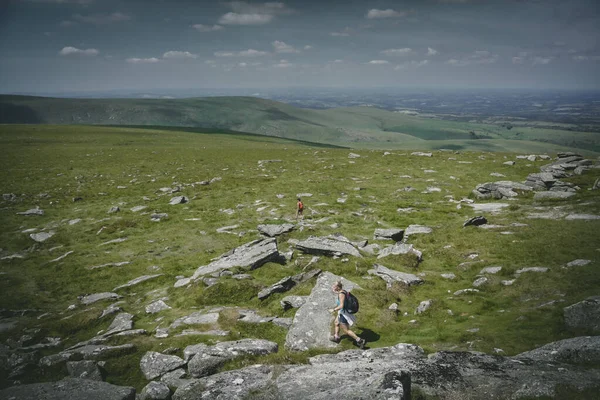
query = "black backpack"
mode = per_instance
[{"x": 350, "y": 303}]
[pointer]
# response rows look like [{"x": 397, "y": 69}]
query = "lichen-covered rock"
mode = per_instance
[
  {"x": 275, "y": 230},
  {"x": 287, "y": 283},
  {"x": 579, "y": 350},
  {"x": 327, "y": 246},
  {"x": 70, "y": 388},
  {"x": 155, "y": 391},
  {"x": 85, "y": 369},
  {"x": 391, "y": 276},
  {"x": 584, "y": 315},
  {"x": 155, "y": 364}
]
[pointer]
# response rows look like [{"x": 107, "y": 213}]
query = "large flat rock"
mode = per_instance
[
  {"x": 390, "y": 276},
  {"x": 69, "y": 388},
  {"x": 326, "y": 246},
  {"x": 250, "y": 255},
  {"x": 312, "y": 323}
]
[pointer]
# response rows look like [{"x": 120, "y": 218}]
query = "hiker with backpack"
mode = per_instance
[
  {"x": 299, "y": 209},
  {"x": 346, "y": 306}
]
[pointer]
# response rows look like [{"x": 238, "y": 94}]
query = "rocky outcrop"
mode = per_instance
[
  {"x": 499, "y": 190},
  {"x": 398, "y": 249},
  {"x": 312, "y": 322},
  {"x": 391, "y": 276},
  {"x": 70, "y": 388},
  {"x": 287, "y": 283},
  {"x": 329, "y": 246},
  {"x": 87, "y": 352},
  {"x": 206, "y": 360},
  {"x": 250, "y": 256},
  {"x": 84, "y": 370},
  {"x": 275, "y": 230},
  {"x": 155, "y": 364},
  {"x": 579, "y": 350},
  {"x": 584, "y": 315}
]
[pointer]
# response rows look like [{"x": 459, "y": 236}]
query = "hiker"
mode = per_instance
[
  {"x": 299, "y": 209},
  {"x": 344, "y": 319}
]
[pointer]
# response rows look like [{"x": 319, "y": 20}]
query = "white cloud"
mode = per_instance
[
  {"x": 243, "y": 53},
  {"x": 541, "y": 60},
  {"x": 207, "y": 28},
  {"x": 518, "y": 60},
  {"x": 388, "y": 13},
  {"x": 245, "y": 19},
  {"x": 102, "y": 19},
  {"x": 272, "y": 8},
  {"x": 283, "y": 64},
  {"x": 397, "y": 52},
  {"x": 152, "y": 60},
  {"x": 281, "y": 47},
  {"x": 411, "y": 64},
  {"x": 67, "y": 51},
  {"x": 308, "y": 47},
  {"x": 431, "y": 52},
  {"x": 179, "y": 54},
  {"x": 343, "y": 33},
  {"x": 580, "y": 58},
  {"x": 242, "y": 65},
  {"x": 338, "y": 61},
  {"x": 378, "y": 62}
]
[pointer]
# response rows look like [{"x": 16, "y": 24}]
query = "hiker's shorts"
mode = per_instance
[{"x": 342, "y": 320}]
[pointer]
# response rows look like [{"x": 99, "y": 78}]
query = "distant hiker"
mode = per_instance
[
  {"x": 299, "y": 209},
  {"x": 344, "y": 319}
]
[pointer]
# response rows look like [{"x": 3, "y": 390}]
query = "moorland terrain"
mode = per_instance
[{"x": 106, "y": 219}]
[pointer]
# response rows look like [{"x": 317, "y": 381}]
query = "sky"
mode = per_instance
[{"x": 102, "y": 45}]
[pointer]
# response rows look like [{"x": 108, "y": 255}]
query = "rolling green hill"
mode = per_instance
[{"x": 357, "y": 127}]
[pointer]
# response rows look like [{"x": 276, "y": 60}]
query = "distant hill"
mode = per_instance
[{"x": 360, "y": 127}]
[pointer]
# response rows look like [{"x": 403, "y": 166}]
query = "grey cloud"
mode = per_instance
[
  {"x": 397, "y": 52},
  {"x": 207, "y": 28},
  {"x": 282, "y": 47},
  {"x": 179, "y": 54},
  {"x": 101, "y": 19},
  {"x": 243, "y": 53},
  {"x": 67, "y": 51},
  {"x": 388, "y": 13},
  {"x": 245, "y": 19},
  {"x": 134, "y": 60}
]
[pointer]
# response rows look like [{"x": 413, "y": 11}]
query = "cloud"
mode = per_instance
[
  {"x": 281, "y": 47},
  {"x": 518, "y": 60},
  {"x": 207, "y": 28},
  {"x": 179, "y": 54},
  {"x": 431, "y": 52},
  {"x": 343, "y": 33},
  {"x": 477, "y": 57},
  {"x": 411, "y": 64},
  {"x": 308, "y": 47},
  {"x": 541, "y": 60},
  {"x": 397, "y": 52},
  {"x": 253, "y": 14},
  {"x": 102, "y": 19},
  {"x": 67, "y": 51},
  {"x": 243, "y": 53},
  {"x": 378, "y": 62},
  {"x": 388, "y": 13},
  {"x": 152, "y": 60},
  {"x": 245, "y": 19},
  {"x": 283, "y": 64}
]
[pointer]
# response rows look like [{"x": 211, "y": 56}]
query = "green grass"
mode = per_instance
[{"x": 90, "y": 162}]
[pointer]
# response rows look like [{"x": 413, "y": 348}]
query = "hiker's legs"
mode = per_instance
[
  {"x": 336, "y": 330},
  {"x": 347, "y": 330}
]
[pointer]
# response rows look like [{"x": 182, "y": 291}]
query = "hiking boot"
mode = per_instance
[
  {"x": 361, "y": 343},
  {"x": 334, "y": 339}
]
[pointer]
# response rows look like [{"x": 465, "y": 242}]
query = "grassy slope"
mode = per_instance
[
  {"x": 91, "y": 162},
  {"x": 360, "y": 127}
]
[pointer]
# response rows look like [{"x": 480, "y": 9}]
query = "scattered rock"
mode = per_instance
[
  {"x": 42, "y": 236},
  {"x": 138, "y": 208},
  {"x": 531, "y": 269},
  {"x": 586, "y": 217},
  {"x": 157, "y": 217},
  {"x": 391, "y": 276},
  {"x": 400, "y": 248},
  {"x": 178, "y": 200},
  {"x": 490, "y": 270},
  {"x": 584, "y": 315},
  {"x": 448, "y": 276},
  {"x": 113, "y": 210},
  {"x": 155, "y": 391},
  {"x": 353, "y": 155},
  {"x": 499, "y": 190},
  {"x": 326, "y": 246},
  {"x": 417, "y": 230},
  {"x": 92, "y": 298},
  {"x": 488, "y": 207},
  {"x": 292, "y": 302},
  {"x": 476, "y": 221},
  {"x": 578, "y": 263},
  {"x": 196, "y": 318},
  {"x": 553, "y": 195},
  {"x": 137, "y": 281},
  {"x": 84, "y": 370},
  {"x": 157, "y": 306},
  {"x": 33, "y": 211},
  {"x": 480, "y": 281},
  {"x": 419, "y": 153},
  {"x": 155, "y": 364},
  {"x": 394, "y": 234},
  {"x": 463, "y": 291},
  {"x": 70, "y": 388},
  {"x": 275, "y": 230},
  {"x": 287, "y": 283},
  {"x": 423, "y": 306},
  {"x": 122, "y": 322}
]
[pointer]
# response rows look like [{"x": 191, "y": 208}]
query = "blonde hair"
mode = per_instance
[{"x": 338, "y": 284}]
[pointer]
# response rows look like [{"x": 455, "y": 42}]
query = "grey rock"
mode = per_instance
[
  {"x": 138, "y": 208},
  {"x": 585, "y": 217},
  {"x": 417, "y": 230},
  {"x": 552, "y": 195},
  {"x": 92, "y": 298},
  {"x": 531, "y": 269},
  {"x": 326, "y": 246},
  {"x": 578, "y": 263},
  {"x": 448, "y": 276},
  {"x": 155, "y": 364},
  {"x": 395, "y": 234},
  {"x": 293, "y": 302},
  {"x": 424, "y": 306},
  {"x": 584, "y": 315},
  {"x": 507, "y": 282},
  {"x": 197, "y": 318},
  {"x": 112, "y": 309},
  {"x": 499, "y": 190},
  {"x": 391, "y": 276},
  {"x": 421, "y": 154},
  {"x": 122, "y": 322},
  {"x": 207, "y": 360},
  {"x": 112, "y": 264},
  {"x": 175, "y": 378},
  {"x": 399, "y": 248},
  {"x": 275, "y": 230},
  {"x": 155, "y": 391},
  {"x": 579, "y": 350},
  {"x": 311, "y": 324},
  {"x": 117, "y": 240},
  {"x": 489, "y": 207},
  {"x": 9, "y": 197},
  {"x": 287, "y": 283},
  {"x": 490, "y": 270},
  {"x": 157, "y": 217},
  {"x": 84, "y": 370},
  {"x": 252, "y": 317},
  {"x": 480, "y": 281},
  {"x": 88, "y": 352},
  {"x": 476, "y": 221},
  {"x": 42, "y": 236},
  {"x": 157, "y": 306},
  {"x": 250, "y": 256},
  {"x": 70, "y": 388},
  {"x": 283, "y": 322},
  {"x": 113, "y": 210},
  {"x": 178, "y": 200},
  {"x": 137, "y": 281},
  {"x": 33, "y": 211},
  {"x": 240, "y": 384},
  {"x": 241, "y": 277},
  {"x": 463, "y": 291}
]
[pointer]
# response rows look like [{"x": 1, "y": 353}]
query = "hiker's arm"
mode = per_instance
[{"x": 342, "y": 298}]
